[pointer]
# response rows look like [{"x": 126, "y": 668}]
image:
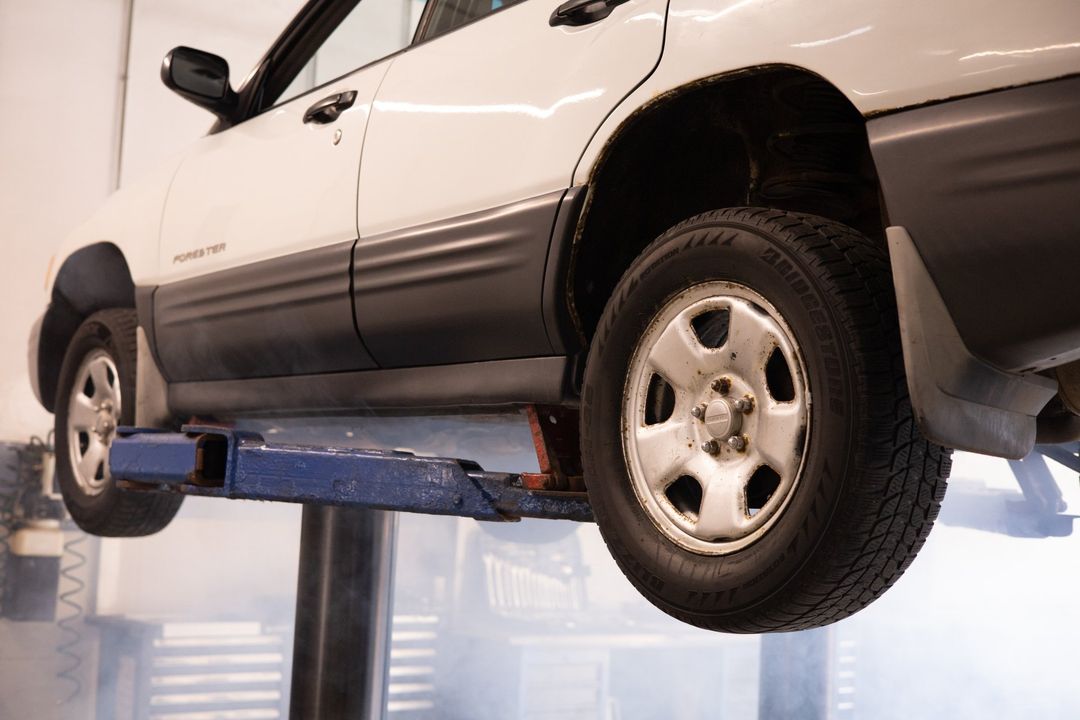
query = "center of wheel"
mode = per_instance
[
  {"x": 721, "y": 419},
  {"x": 105, "y": 424}
]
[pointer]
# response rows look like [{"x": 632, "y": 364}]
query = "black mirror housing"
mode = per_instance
[{"x": 200, "y": 77}]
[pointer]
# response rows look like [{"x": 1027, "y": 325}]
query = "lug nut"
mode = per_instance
[
  {"x": 744, "y": 405},
  {"x": 710, "y": 446},
  {"x": 737, "y": 442},
  {"x": 698, "y": 411},
  {"x": 722, "y": 386}
]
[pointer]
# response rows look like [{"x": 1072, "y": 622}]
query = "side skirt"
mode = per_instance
[{"x": 543, "y": 380}]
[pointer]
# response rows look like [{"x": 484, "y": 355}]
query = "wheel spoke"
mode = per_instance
[
  {"x": 103, "y": 389},
  {"x": 82, "y": 413},
  {"x": 751, "y": 337},
  {"x": 94, "y": 455},
  {"x": 723, "y": 504},
  {"x": 780, "y": 437},
  {"x": 663, "y": 450},
  {"x": 678, "y": 355}
]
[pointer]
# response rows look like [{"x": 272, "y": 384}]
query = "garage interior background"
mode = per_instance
[{"x": 522, "y": 621}]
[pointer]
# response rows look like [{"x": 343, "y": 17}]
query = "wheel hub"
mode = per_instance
[
  {"x": 105, "y": 424},
  {"x": 721, "y": 419}
]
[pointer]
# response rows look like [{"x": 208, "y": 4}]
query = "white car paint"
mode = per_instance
[
  {"x": 882, "y": 55},
  {"x": 268, "y": 187},
  {"x": 497, "y": 111},
  {"x": 443, "y": 143},
  {"x": 129, "y": 219}
]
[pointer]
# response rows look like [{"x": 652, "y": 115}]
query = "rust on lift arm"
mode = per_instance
[{"x": 555, "y": 436}]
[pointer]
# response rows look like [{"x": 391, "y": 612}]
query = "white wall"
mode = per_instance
[{"x": 60, "y": 67}]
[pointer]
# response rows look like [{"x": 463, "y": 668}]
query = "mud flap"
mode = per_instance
[{"x": 959, "y": 401}]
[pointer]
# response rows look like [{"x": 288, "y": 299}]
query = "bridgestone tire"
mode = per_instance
[
  {"x": 870, "y": 486},
  {"x": 110, "y": 512}
]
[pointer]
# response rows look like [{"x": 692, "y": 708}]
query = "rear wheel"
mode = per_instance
[
  {"x": 749, "y": 447},
  {"x": 96, "y": 394}
]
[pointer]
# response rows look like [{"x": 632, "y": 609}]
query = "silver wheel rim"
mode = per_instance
[
  {"x": 93, "y": 415},
  {"x": 733, "y": 412}
]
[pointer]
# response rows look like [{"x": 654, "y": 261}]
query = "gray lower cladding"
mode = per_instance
[
  {"x": 463, "y": 290},
  {"x": 285, "y": 316},
  {"x": 470, "y": 288},
  {"x": 541, "y": 380},
  {"x": 987, "y": 187}
]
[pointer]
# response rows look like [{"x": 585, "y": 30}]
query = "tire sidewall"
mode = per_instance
[
  {"x": 673, "y": 577},
  {"x": 94, "y": 334}
]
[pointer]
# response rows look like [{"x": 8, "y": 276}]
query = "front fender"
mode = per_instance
[{"x": 130, "y": 219}]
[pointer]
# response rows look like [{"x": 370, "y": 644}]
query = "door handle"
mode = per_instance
[
  {"x": 330, "y": 108},
  {"x": 582, "y": 12}
]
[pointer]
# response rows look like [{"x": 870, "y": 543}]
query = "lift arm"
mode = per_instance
[{"x": 220, "y": 462}]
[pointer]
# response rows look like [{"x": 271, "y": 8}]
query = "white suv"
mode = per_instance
[{"x": 692, "y": 220}]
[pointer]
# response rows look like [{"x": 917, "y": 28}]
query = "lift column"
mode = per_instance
[{"x": 343, "y": 613}]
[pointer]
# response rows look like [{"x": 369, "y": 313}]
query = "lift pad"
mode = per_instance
[{"x": 220, "y": 462}]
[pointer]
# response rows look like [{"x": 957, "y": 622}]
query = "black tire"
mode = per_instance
[
  {"x": 109, "y": 512},
  {"x": 871, "y": 485}
]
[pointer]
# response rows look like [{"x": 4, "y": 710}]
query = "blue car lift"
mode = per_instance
[
  {"x": 343, "y": 607},
  {"x": 217, "y": 461}
]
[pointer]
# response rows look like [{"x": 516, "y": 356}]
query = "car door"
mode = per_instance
[
  {"x": 260, "y": 221},
  {"x": 471, "y": 144}
]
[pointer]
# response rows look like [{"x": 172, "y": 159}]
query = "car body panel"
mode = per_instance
[
  {"x": 497, "y": 111},
  {"x": 460, "y": 291},
  {"x": 288, "y": 315},
  {"x": 881, "y": 55},
  {"x": 131, "y": 220},
  {"x": 267, "y": 187},
  {"x": 519, "y": 381}
]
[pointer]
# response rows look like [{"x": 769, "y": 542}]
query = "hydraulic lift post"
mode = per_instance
[{"x": 343, "y": 613}]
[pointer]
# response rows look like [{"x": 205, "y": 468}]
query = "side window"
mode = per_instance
[
  {"x": 372, "y": 30},
  {"x": 445, "y": 15}
]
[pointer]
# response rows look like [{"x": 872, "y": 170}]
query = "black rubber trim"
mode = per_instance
[
  {"x": 562, "y": 333},
  {"x": 460, "y": 290},
  {"x": 502, "y": 382},
  {"x": 92, "y": 278},
  {"x": 986, "y": 186},
  {"x": 289, "y": 315},
  {"x": 58, "y": 326},
  {"x": 144, "y": 308}
]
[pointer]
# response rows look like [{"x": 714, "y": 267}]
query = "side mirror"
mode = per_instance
[{"x": 201, "y": 77}]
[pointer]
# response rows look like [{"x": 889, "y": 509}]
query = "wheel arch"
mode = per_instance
[
  {"x": 94, "y": 277},
  {"x": 777, "y": 136}
]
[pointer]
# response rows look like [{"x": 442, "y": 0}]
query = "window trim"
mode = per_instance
[{"x": 425, "y": 20}]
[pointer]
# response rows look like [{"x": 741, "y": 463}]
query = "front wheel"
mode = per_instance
[
  {"x": 96, "y": 393},
  {"x": 749, "y": 447}
]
